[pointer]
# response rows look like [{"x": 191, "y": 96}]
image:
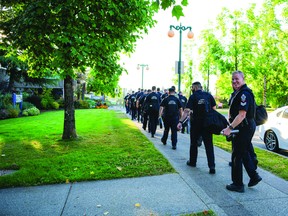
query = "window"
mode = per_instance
[{"x": 285, "y": 114}]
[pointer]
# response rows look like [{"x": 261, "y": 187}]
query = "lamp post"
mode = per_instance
[
  {"x": 147, "y": 68},
  {"x": 190, "y": 35}
]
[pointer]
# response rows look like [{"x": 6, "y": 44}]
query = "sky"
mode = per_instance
[{"x": 161, "y": 52}]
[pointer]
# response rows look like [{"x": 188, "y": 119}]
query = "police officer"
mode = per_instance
[
  {"x": 138, "y": 107},
  {"x": 153, "y": 103},
  {"x": 132, "y": 104},
  {"x": 196, "y": 101},
  {"x": 242, "y": 112},
  {"x": 126, "y": 102},
  {"x": 144, "y": 108},
  {"x": 183, "y": 100},
  {"x": 165, "y": 94},
  {"x": 173, "y": 108}
]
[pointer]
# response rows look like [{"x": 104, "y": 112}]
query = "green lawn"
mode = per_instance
[{"x": 109, "y": 146}]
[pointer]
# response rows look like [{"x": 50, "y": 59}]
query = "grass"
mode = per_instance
[
  {"x": 269, "y": 161},
  {"x": 109, "y": 146}
]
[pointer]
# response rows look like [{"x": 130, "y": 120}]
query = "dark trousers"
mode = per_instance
[
  {"x": 241, "y": 154},
  {"x": 139, "y": 114},
  {"x": 153, "y": 121},
  {"x": 170, "y": 122},
  {"x": 145, "y": 120},
  {"x": 196, "y": 131},
  {"x": 133, "y": 113}
]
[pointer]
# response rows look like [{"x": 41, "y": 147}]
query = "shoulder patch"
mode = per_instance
[{"x": 243, "y": 100}]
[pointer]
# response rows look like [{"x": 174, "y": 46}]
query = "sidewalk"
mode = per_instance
[{"x": 189, "y": 190}]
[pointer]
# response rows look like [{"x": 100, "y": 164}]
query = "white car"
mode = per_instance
[{"x": 274, "y": 132}]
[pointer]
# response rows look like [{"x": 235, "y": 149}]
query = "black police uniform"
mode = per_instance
[
  {"x": 138, "y": 96},
  {"x": 251, "y": 148},
  {"x": 127, "y": 103},
  {"x": 183, "y": 101},
  {"x": 197, "y": 129},
  {"x": 144, "y": 110},
  {"x": 171, "y": 106},
  {"x": 243, "y": 100},
  {"x": 152, "y": 102},
  {"x": 132, "y": 100}
]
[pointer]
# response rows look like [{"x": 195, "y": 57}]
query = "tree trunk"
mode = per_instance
[{"x": 69, "y": 131}]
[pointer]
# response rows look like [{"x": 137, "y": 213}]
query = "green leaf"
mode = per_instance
[
  {"x": 155, "y": 6},
  {"x": 177, "y": 11},
  {"x": 184, "y": 2}
]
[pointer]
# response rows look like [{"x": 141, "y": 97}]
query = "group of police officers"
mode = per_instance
[{"x": 152, "y": 107}]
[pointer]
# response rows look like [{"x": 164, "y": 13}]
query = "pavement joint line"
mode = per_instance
[{"x": 66, "y": 200}]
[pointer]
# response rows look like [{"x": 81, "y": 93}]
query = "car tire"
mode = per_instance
[{"x": 271, "y": 141}]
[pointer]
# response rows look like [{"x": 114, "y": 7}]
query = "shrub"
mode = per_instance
[
  {"x": 61, "y": 103},
  {"x": 5, "y": 101},
  {"x": 3, "y": 114},
  {"x": 81, "y": 104},
  {"x": 27, "y": 105},
  {"x": 45, "y": 103},
  {"x": 55, "y": 105},
  {"x": 13, "y": 112},
  {"x": 91, "y": 103},
  {"x": 31, "y": 112}
]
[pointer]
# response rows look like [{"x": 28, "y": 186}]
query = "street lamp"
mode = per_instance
[
  {"x": 190, "y": 35},
  {"x": 147, "y": 68}
]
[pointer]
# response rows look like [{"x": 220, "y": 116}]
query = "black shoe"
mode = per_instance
[
  {"x": 230, "y": 163},
  {"x": 212, "y": 171},
  {"x": 174, "y": 147},
  {"x": 254, "y": 181},
  {"x": 152, "y": 135},
  {"x": 144, "y": 128},
  {"x": 164, "y": 143},
  {"x": 191, "y": 164},
  {"x": 232, "y": 187}
]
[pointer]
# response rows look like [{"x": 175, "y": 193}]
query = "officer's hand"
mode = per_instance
[
  {"x": 226, "y": 131},
  {"x": 179, "y": 126}
]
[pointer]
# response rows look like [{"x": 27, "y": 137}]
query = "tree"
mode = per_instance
[
  {"x": 64, "y": 37},
  {"x": 255, "y": 44}
]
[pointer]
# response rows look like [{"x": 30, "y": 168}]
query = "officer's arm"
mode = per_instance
[
  {"x": 238, "y": 119},
  {"x": 161, "y": 111},
  {"x": 181, "y": 111},
  {"x": 184, "y": 115}
]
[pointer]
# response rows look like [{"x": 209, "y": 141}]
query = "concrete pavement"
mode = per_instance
[{"x": 187, "y": 191}]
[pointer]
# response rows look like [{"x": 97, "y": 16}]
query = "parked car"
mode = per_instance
[{"x": 274, "y": 132}]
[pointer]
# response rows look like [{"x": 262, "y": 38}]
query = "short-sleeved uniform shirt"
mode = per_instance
[
  {"x": 171, "y": 105},
  {"x": 192, "y": 103},
  {"x": 243, "y": 100}
]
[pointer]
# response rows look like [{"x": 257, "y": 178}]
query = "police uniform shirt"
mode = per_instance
[
  {"x": 183, "y": 100},
  {"x": 243, "y": 100},
  {"x": 164, "y": 95},
  {"x": 171, "y": 105},
  {"x": 191, "y": 102}
]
